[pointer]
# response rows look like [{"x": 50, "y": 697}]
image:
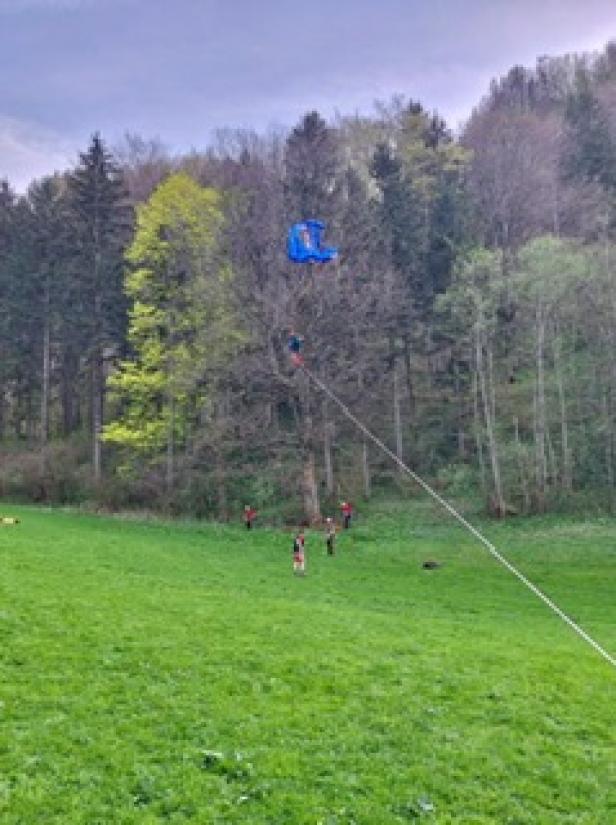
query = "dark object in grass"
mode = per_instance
[
  {"x": 430, "y": 564},
  {"x": 232, "y": 767}
]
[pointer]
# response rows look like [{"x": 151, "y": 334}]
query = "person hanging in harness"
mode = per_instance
[{"x": 295, "y": 343}]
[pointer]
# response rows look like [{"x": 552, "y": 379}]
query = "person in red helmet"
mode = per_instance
[
  {"x": 250, "y": 515},
  {"x": 346, "y": 508}
]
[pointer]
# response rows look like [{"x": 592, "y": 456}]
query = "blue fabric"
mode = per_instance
[{"x": 304, "y": 243}]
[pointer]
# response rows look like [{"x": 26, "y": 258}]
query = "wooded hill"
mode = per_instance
[{"x": 145, "y": 302}]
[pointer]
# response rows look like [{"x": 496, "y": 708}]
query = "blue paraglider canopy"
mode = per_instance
[{"x": 304, "y": 243}]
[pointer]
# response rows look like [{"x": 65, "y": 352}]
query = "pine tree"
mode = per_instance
[
  {"x": 52, "y": 252},
  {"x": 101, "y": 220},
  {"x": 312, "y": 170},
  {"x": 590, "y": 152},
  {"x": 8, "y": 281}
]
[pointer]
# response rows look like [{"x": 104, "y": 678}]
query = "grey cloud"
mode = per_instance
[{"x": 180, "y": 70}]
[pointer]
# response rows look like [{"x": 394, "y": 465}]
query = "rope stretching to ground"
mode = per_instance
[{"x": 453, "y": 512}]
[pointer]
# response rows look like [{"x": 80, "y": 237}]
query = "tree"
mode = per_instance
[
  {"x": 9, "y": 278},
  {"x": 549, "y": 271},
  {"x": 473, "y": 301},
  {"x": 101, "y": 222},
  {"x": 182, "y": 326},
  {"x": 590, "y": 152},
  {"x": 312, "y": 189},
  {"x": 312, "y": 170},
  {"x": 51, "y": 282},
  {"x": 144, "y": 164}
]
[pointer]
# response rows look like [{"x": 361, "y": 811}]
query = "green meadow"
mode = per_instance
[{"x": 155, "y": 672}]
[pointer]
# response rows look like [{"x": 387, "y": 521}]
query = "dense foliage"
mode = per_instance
[{"x": 470, "y": 321}]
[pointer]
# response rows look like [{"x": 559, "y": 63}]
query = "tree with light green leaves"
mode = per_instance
[
  {"x": 549, "y": 273},
  {"x": 182, "y": 326},
  {"x": 472, "y": 303}
]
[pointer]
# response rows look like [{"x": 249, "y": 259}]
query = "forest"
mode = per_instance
[{"x": 469, "y": 322}]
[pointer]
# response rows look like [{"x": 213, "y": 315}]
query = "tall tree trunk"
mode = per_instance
[
  {"x": 328, "y": 429},
  {"x": 540, "y": 410},
  {"x": 170, "y": 456},
  {"x": 310, "y": 489},
  {"x": 608, "y": 444},
  {"x": 606, "y": 240},
  {"x": 31, "y": 416},
  {"x": 412, "y": 402},
  {"x": 478, "y": 430},
  {"x": 567, "y": 472},
  {"x": 68, "y": 382},
  {"x": 17, "y": 410},
  {"x": 365, "y": 466},
  {"x": 97, "y": 371},
  {"x": 46, "y": 367},
  {"x": 312, "y": 508},
  {"x": 488, "y": 406},
  {"x": 365, "y": 455},
  {"x": 556, "y": 208},
  {"x": 521, "y": 468},
  {"x": 97, "y": 417},
  {"x": 460, "y": 414},
  {"x": 397, "y": 411},
  {"x": 221, "y": 487},
  {"x": 408, "y": 372},
  {"x": 552, "y": 460}
]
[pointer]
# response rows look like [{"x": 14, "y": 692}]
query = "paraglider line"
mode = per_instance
[{"x": 453, "y": 512}]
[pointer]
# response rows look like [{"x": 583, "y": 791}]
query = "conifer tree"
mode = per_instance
[
  {"x": 312, "y": 170},
  {"x": 101, "y": 221},
  {"x": 590, "y": 152}
]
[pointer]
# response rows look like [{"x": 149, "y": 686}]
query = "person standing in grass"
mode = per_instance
[
  {"x": 299, "y": 557},
  {"x": 347, "y": 511},
  {"x": 249, "y": 516},
  {"x": 330, "y": 536}
]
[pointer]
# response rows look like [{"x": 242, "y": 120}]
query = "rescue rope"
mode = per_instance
[{"x": 453, "y": 512}]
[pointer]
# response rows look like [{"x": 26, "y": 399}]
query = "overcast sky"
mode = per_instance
[{"x": 180, "y": 69}]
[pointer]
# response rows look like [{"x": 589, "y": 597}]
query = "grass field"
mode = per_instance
[{"x": 154, "y": 672}]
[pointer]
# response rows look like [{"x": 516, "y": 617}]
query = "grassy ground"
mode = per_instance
[{"x": 179, "y": 673}]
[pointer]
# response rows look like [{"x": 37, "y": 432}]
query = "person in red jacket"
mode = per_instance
[
  {"x": 346, "y": 509},
  {"x": 249, "y": 516}
]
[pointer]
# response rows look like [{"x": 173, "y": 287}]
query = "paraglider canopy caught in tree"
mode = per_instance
[{"x": 304, "y": 243}]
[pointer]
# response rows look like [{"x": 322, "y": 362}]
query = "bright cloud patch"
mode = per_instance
[{"x": 27, "y": 151}]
